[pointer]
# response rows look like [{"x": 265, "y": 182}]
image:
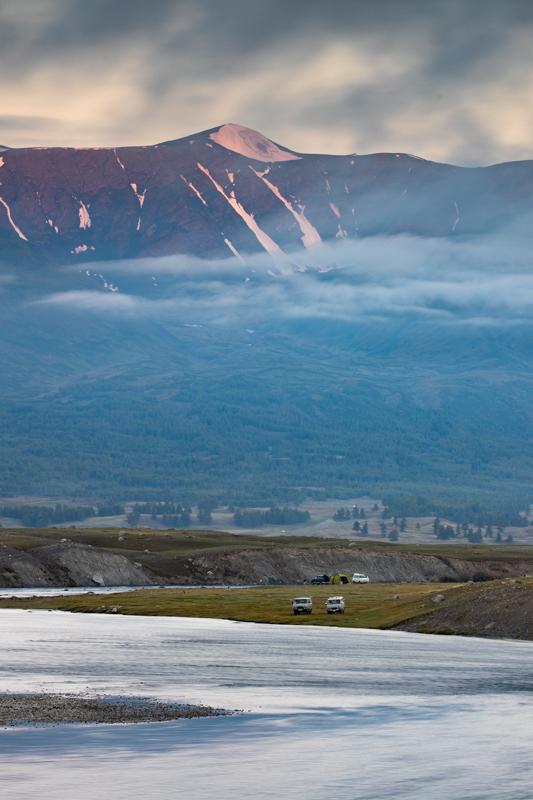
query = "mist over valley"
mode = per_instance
[{"x": 366, "y": 330}]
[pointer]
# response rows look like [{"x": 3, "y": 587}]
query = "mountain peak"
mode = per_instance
[{"x": 250, "y": 143}]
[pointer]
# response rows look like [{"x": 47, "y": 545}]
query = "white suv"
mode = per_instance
[
  {"x": 302, "y": 605},
  {"x": 335, "y": 605},
  {"x": 358, "y": 577}
]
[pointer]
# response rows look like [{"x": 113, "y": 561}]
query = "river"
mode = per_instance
[{"x": 350, "y": 714}]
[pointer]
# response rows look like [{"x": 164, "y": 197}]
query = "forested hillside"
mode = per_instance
[
  {"x": 266, "y": 425},
  {"x": 408, "y": 371}
]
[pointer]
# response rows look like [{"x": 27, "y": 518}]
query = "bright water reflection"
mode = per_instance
[
  {"x": 60, "y": 591},
  {"x": 335, "y": 713}
]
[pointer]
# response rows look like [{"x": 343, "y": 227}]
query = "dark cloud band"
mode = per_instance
[{"x": 447, "y": 79}]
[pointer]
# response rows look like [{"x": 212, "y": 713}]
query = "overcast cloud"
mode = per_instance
[{"x": 449, "y": 80}]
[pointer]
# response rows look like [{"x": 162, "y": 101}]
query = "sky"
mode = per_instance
[{"x": 448, "y": 80}]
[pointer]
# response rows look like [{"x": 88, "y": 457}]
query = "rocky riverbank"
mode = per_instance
[
  {"x": 294, "y": 565},
  {"x": 39, "y": 709},
  {"x": 503, "y": 609},
  {"x": 195, "y": 558},
  {"x": 70, "y": 564}
]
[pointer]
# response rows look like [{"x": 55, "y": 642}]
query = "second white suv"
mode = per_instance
[
  {"x": 358, "y": 577},
  {"x": 335, "y": 605}
]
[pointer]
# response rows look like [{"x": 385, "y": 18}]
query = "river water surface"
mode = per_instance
[{"x": 328, "y": 713}]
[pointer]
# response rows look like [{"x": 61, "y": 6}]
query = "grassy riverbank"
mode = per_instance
[{"x": 367, "y": 606}]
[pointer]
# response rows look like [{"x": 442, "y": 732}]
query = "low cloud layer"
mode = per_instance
[
  {"x": 447, "y": 80},
  {"x": 483, "y": 282}
]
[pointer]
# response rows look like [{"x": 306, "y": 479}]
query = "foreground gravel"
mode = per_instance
[{"x": 58, "y": 708}]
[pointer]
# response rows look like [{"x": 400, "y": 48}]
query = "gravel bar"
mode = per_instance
[{"x": 37, "y": 709}]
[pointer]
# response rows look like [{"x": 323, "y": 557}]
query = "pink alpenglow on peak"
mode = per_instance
[
  {"x": 242, "y": 195},
  {"x": 251, "y": 144}
]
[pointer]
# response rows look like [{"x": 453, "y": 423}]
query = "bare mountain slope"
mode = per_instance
[{"x": 230, "y": 191}]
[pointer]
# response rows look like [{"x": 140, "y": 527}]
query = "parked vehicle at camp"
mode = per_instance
[
  {"x": 335, "y": 605},
  {"x": 340, "y": 578},
  {"x": 320, "y": 579},
  {"x": 358, "y": 577},
  {"x": 302, "y": 605}
]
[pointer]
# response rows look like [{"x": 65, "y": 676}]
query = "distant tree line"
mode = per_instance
[
  {"x": 474, "y": 536},
  {"x": 476, "y": 511},
  {"x": 274, "y": 516},
  {"x": 343, "y": 514},
  {"x": 42, "y": 516},
  {"x": 172, "y": 515}
]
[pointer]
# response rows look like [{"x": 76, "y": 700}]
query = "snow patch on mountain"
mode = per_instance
[
  {"x": 457, "y": 220},
  {"x": 234, "y": 251},
  {"x": 140, "y": 197},
  {"x": 85, "y": 220},
  {"x": 263, "y": 238},
  {"x": 311, "y": 237},
  {"x": 10, "y": 218},
  {"x": 250, "y": 143},
  {"x": 195, "y": 190},
  {"x": 119, "y": 161}
]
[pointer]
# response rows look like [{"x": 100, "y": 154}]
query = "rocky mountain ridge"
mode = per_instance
[{"x": 230, "y": 192}]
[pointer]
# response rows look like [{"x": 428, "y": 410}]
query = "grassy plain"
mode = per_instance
[{"x": 367, "y": 606}]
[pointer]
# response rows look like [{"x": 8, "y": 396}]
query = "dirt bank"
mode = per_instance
[
  {"x": 159, "y": 561},
  {"x": 70, "y": 564},
  {"x": 503, "y": 609},
  {"x": 293, "y": 565}
]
